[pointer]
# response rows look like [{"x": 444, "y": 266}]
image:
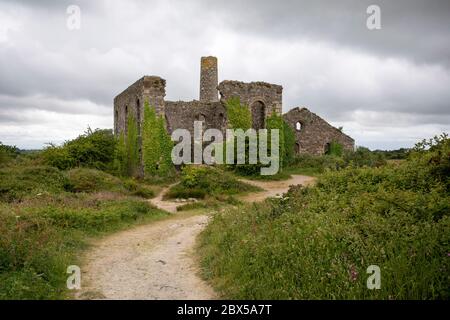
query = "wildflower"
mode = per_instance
[{"x": 353, "y": 273}]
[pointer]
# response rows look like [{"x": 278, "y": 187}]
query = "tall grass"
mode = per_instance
[
  {"x": 46, "y": 217},
  {"x": 317, "y": 242}
]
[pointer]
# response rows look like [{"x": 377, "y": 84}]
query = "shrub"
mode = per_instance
[
  {"x": 91, "y": 180},
  {"x": 7, "y": 154},
  {"x": 335, "y": 149},
  {"x": 199, "y": 181},
  {"x": 239, "y": 117},
  {"x": 364, "y": 157},
  {"x": 93, "y": 149},
  {"x": 17, "y": 183},
  {"x": 317, "y": 242}
]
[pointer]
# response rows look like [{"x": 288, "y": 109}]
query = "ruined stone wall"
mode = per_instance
[
  {"x": 315, "y": 133},
  {"x": 254, "y": 94},
  {"x": 182, "y": 114},
  {"x": 208, "y": 79},
  {"x": 132, "y": 99}
]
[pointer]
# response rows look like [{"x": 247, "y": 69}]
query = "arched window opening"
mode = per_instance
[
  {"x": 327, "y": 148},
  {"x": 258, "y": 110},
  {"x": 201, "y": 117},
  {"x": 126, "y": 119},
  {"x": 138, "y": 112},
  {"x": 298, "y": 126},
  {"x": 297, "y": 147}
]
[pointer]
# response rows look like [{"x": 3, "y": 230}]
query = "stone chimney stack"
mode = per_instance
[{"x": 208, "y": 79}]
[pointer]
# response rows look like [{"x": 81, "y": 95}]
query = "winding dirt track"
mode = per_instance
[{"x": 156, "y": 261}]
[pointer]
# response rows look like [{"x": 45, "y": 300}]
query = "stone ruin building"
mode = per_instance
[{"x": 313, "y": 134}]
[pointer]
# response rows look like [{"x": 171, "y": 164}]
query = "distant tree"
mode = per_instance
[{"x": 8, "y": 153}]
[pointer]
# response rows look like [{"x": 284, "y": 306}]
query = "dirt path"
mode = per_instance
[
  {"x": 274, "y": 188},
  {"x": 155, "y": 261}
]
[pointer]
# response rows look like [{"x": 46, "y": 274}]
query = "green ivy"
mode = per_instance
[
  {"x": 120, "y": 157},
  {"x": 289, "y": 144},
  {"x": 335, "y": 149},
  {"x": 156, "y": 144},
  {"x": 132, "y": 146},
  {"x": 239, "y": 115}
]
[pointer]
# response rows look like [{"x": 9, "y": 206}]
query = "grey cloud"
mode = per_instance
[
  {"x": 412, "y": 29},
  {"x": 320, "y": 51}
]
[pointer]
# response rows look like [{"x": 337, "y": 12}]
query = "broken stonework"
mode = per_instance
[{"x": 313, "y": 134}]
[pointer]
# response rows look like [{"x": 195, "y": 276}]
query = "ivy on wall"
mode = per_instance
[
  {"x": 120, "y": 157},
  {"x": 240, "y": 117},
  {"x": 289, "y": 144},
  {"x": 132, "y": 146},
  {"x": 126, "y": 158},
  {"x": 156, "y": 144}
]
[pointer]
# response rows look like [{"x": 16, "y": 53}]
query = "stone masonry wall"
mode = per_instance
[
  {"x": 270, "y": 95},
  {"x": 132, "y": 99},
  {"x": 182, "y": 114},
  {"x": 262, "y": 99},
  {"x": 315, "y": 133}
]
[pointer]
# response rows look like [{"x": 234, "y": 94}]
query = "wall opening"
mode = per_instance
[
  {"x": 116, "y": 121},
  {"x": 298, "y": 126},
  {"x": 138, "y": 113},
  {"x": 201, "y": 117},
  {"x": 258, "y": 110},
  {"x": 126, "y": 120},
  {"x": 327, "y": 148},
  {"x": 297, "y": 148}
]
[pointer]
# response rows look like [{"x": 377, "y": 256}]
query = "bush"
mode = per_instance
[
  {"x": 364, "y": 157},
  {"x": 317, "y": 242},
  {"x": 311, "y": 164},
  {"x": 335, "y": 149},
  {"x": 199, "y": 181},
  {"x": 93, "y": 149},
  {"x": 91, "y": 180},
  {"x": 19, "y": 182},
  {"x": 7, "y": 154},
  {"x": 239, "y": 117}
]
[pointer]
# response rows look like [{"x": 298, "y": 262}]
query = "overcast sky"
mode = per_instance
[{"x": 388, "y": 88}]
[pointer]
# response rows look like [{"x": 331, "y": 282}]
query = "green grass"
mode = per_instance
[
  {"x": 317, "y": 242},
  {"x": 40, "y": 238},
  {"x": 47, "y": 217}
]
